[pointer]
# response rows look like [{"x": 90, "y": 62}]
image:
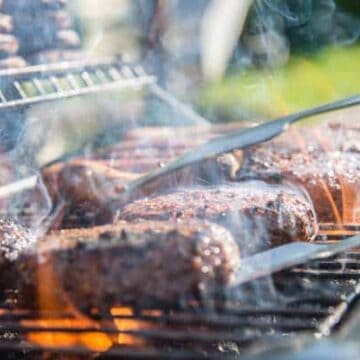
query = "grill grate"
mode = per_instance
[
  {"x": 42, "y": 83},
  {"x": 306, "y": 301}
]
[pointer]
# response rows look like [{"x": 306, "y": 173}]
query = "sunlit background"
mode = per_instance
[
  {"x": 231, "y": 60},
  {"x": 234, "y": 58}
]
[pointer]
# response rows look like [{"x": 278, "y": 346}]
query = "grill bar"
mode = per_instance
[
  {"x": 52, "y": 82},
  {"x": 122, "y": 353},
  {"x": 309, "y": 300}
]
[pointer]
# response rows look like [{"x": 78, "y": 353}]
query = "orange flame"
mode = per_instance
[
  {"x": 96, "y": 341},
  {"x": 127, "y": 324}
]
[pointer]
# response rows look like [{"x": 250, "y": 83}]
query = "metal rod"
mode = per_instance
[
  {"x": 2, "y": 97},
  {"x": 55, "y": 82},
  {"x": 87, "y": 78},
  {"x": 118, "y": 84},
  {"x": 20, "y": 90},
  {"x": 38, "y": 86},
  {"x": 238, "y": 140},
  {"x": 186, "y": 110},
  {"x": 60, "y": 66},
  {"x": 72, "y": 82}
]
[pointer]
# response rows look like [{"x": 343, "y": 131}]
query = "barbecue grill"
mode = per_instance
[
  {"x": 307, "y": 302},
  {"x": 296, "y": 306}
]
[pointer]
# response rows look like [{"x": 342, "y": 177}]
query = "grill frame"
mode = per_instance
[
  {"x": 219, "y": 329},
  {"x": 80, "y": 77},
  {"x": 230, "y": 327}
]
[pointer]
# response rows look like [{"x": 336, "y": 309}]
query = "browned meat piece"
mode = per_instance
[
  {"x": 259, "y": 215},
  {"x": 88, "y": 185},
  {"x": 88, "y": 188},
  {"x": 127, "y": 263},
  {"x": 82, "y": 188},
  {"x": 325, "y": 160}
]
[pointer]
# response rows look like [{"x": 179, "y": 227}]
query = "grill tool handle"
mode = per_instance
[
  {"x": 238, "y": 140},
  {"x": 289, "y": 255}
]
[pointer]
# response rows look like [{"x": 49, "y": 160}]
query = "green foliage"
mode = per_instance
[{"x": 305, "y": 81}]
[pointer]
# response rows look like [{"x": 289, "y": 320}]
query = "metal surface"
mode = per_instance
[
  {"x": 289, "y": 255},
  {"x": 307, "y": 302},
  {"x": 238, "y": 140},
  {"x": 32, "y": 85},
  {"x": 24, "y": 87}
]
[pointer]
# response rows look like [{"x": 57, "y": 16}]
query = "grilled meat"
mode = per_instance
[
  {"x": 134, "y": 263},
  {"x": 304, "y": 162},
  {"x": 259, "y": 215},
  {"x": 88, "y": 185},
  {"x": 325, "y": 161}
]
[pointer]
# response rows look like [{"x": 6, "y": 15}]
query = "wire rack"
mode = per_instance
[
  {"x": 52, "y": 82},
  {"x": 308, "y": 301}
]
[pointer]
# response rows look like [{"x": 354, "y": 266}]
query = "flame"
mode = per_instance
[
  {"x": 96, "y": 341},
  {"x": 349, "y": 202},
  {"x": 326, "y": 146},
  {"x": 127, "y": 324},
  {"x": 49, "y": 300},
  {"x": 73, "y": 328},
  {"x": 61, "y": 332}
]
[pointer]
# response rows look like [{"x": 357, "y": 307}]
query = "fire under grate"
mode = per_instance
[{"x": 311, "y": 300}]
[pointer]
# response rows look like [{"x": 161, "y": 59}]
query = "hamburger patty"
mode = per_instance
[
  {"x": 134, "y": 263},
  {"x": 259, "y": 215},
  {"x": 330, "y": 178}
]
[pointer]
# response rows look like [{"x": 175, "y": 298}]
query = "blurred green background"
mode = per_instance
[{"x": 288, "y": 54}]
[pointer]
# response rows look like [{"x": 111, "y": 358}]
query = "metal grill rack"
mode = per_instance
[
  {"x": 307, "y": 301},
  {"x": 37, "y": 84}
]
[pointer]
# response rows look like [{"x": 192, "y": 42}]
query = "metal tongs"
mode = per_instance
[
  {"x": 238, "y": 140},
  {"x": 287, "y": 256},
  {"x": 222, "y": 144}
]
